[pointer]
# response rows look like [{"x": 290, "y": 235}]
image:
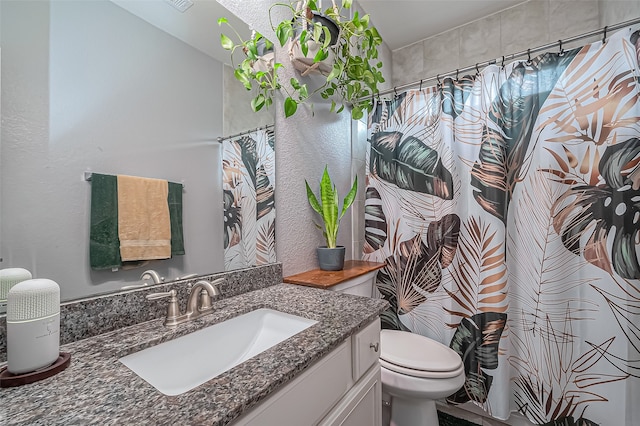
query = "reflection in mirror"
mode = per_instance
[
  {"x": 248, "y": 164},
  {"x": 91, "y": 86}
]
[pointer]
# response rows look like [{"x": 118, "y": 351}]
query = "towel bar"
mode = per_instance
[{"x": 87, "y": 177}]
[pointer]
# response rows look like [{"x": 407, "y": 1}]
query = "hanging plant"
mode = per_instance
[
  {"x": 258, "y": 68},
  {"x": 343, "y": 50}
]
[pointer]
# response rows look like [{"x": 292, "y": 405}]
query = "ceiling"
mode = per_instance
[
  {"x": 197, "y": 26},
  {"x": 399, "y": 22}
]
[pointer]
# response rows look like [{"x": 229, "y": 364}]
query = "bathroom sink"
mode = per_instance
[{"x": 179, "y": 365}]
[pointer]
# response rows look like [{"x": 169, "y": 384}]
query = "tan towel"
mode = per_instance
[{"x": 144, "y": 227}]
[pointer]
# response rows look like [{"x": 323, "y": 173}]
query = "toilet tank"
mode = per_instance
[{"x": 362, "y": 285}]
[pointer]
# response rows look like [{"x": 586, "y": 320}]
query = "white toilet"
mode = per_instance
[{"x": 416, "y": 370}]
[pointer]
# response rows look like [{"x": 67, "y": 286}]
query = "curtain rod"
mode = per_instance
[
  {"x": 246, "y": 132},
  {"x": 527, "y": 53}
]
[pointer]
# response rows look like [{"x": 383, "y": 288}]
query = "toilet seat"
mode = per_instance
[{"x": 418, "y": 356}]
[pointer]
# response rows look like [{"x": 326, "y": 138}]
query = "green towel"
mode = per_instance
[
  {"x": 104, "y": 244},
  {"x": 175, "y": 217}
]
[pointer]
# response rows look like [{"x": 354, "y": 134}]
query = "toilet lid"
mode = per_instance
[{"x": 416, "y": 355}]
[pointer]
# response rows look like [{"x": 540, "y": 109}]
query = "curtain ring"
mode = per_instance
[
  {"x": 438, "y": 78},
  {"x": 604, "y": 38},
  {"x": 528, "y": 56},
  {"x": 395, "y": 92},
  {"x": 477, "y": 70},
  {"x": 421, "y": 84},
  {"x": 457, "y": 72},
  {"x": 502, "y": 64}
]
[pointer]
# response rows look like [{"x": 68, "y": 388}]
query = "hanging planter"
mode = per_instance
[
  {"x": 310, "y": 54},
  {"x": 344, "y": 50},
  {"x": 266, "y": 55}
]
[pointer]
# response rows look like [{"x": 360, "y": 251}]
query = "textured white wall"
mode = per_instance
[
  {"x": 79, "y": 109},
  {"x": 304, "y": 144}
]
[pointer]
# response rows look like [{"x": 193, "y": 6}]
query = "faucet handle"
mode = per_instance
[
  {"x": 173, "y": 311},
  {"x": 131, "y": 287},
  {"x": 162, "y": 295},
  {"x": 184, "y": 277},
  {"x": 216, "y": 282},
  {"x": 157, "y": 279}
]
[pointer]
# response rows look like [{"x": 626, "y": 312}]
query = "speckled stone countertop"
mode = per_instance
[
  {"x": 100, "y": 314},
  {"x": 98, "y": 389}
]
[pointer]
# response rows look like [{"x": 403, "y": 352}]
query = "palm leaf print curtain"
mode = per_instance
[
  {"x": 506, "y": 206},
  {"x": 248, "y": 165}
]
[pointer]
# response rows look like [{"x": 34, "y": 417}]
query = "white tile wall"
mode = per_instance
[
  {"x": 571, "y": 18},
  {"x": 524, "y": 26},
  {"x": 407, "y": 64},
  {"x": 479, "y": 41},
  {"x": 528, "y": 25},
  {"x": 612, "y": 12},
  {"x": 442, "y": 53}
]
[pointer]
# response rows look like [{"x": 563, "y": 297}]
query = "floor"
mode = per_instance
[
  {"x": 448, "y": 420},
  {"x": 443, "y": 418},
  {"x": 451, "y": 416}
]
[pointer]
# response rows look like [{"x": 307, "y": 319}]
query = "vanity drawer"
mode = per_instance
[{"x": 365, "y": 349}]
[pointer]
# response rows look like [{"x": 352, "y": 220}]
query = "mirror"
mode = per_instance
[{"x": 102, "y": 87}]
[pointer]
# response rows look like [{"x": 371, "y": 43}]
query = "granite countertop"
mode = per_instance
[{"x": 97, "y": 388}]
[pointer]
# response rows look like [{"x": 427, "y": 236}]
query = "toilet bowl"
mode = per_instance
[{"x": 416, "y": 371}]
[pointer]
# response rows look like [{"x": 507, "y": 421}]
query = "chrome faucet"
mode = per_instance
[
  {"x": 157, "y": 279},
  {"x": 184, "y": 277},
  {"x": 198, "y": 304}
]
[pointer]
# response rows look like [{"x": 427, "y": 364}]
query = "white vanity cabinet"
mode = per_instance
[{"x": 342, "y": 388}]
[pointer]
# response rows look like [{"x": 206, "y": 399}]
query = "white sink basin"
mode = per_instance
[{"x": 179, "y": 365}]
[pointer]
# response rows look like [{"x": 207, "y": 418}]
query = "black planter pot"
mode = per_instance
[
  {"x": 261, "y": 46},
  {"x": 331, "y": 259},
  {"x": 325, "y": 21}
]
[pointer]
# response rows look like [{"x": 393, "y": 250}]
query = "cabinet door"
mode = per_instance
[
  {"x": 366, "y": 349},
  {"x": 362, "y": 406},
  {"x": 307, "y": 398}
]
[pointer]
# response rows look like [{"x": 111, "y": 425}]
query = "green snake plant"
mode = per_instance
[{"x": 327, "y": 207}]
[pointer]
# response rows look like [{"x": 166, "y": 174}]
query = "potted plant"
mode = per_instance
[
  {"x": 308, "y": 38},
  {"x": 330, "y": 257},
  {"x": 258, "y": 68},
  {"x": 343, "y": 49}
]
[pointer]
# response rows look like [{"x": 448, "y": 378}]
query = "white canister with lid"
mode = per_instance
[
  {"x": 8, "y": 278},
  {"x": 33, "y": 325}
]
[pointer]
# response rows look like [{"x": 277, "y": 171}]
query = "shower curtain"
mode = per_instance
[
  {"x": 248, "y": 167},
  {"x": 506, "y": 206}
]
